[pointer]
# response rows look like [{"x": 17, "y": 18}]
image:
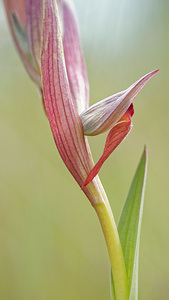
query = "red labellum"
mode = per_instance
[{"x": 114, "y": 138}]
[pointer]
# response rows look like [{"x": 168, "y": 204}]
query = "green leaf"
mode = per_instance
[{"x": 129, "y": 227}]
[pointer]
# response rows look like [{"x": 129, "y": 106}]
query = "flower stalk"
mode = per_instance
[{"x": 114, "y": 248}]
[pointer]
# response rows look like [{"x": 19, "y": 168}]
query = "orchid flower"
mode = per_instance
[
  {"x": 60, "y": 60},
  {"x": 46, "y": 36}
]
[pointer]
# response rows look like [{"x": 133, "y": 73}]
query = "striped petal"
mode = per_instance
[
  {"x": 64, "y": 120},
  {"x": 114, "y": 138},
  {"x": 103, "y": 115},
  {"x": 34, "y": 29},
  {"x": 15, "y": 11},
  {"x": 75, "y": 65}
]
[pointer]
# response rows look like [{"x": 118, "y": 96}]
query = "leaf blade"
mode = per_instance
[{"x": 129, "y": 225}]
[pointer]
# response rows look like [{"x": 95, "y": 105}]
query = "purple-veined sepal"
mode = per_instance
[
  {"x": 75, "y": 65},
  {"x": 60, "y": 108},
  {"x": 34, "y": 29},
  {"x": 103, "y": 115}
]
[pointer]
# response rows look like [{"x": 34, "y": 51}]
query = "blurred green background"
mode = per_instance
[{"x": 51, "y": 244}]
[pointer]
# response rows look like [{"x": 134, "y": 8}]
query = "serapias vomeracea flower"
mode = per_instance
[{"x": 46, "y": 35}]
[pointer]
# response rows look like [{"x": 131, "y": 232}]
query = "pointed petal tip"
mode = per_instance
[
  {"x": 151, "y": 74},
  {"x": 154, "y": 72},
  {"x": 88, "y": 179},
  {"x": 143, "y": 80},
  {"x": 83, "y": 186}
]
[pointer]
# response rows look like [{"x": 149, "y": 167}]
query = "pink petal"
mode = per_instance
[
  {"x": 15, "y": 10},
  {"x": 103, "y": 115},
  {"x": 114, "y": 138},
  {"x": 18, "y": 7},
  {"x": 75, "y": 65},
  {"x": 34, "y": 28},
  {"x": 63, "y": 117}
]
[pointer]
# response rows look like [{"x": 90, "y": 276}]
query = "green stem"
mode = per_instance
[{"x": 112, "y": 239}]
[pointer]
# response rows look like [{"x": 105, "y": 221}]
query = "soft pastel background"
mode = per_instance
[{"x": 51, "y": 244}]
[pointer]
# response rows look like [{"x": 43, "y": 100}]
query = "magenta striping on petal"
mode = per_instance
[
  {"x": 46, "y": 35},
  {"x": 64, "y": 120},
  {"x": 75, "y": 64},
  {"x": 34, "y": 28}
]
